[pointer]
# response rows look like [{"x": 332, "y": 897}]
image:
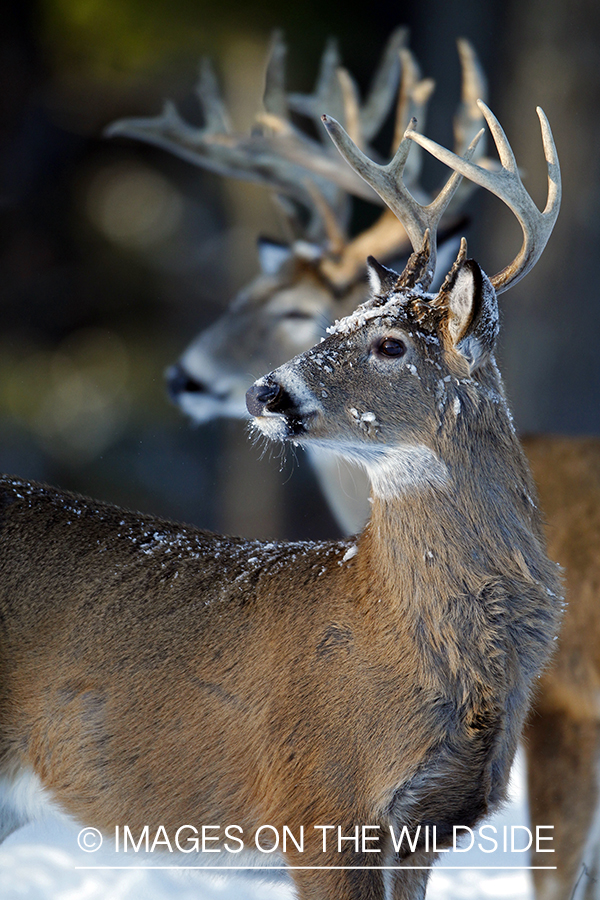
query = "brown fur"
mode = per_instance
[
  {"x": 563, "y": 733},
  {"x": 567, "y": 474},
  {"x": 157, "y": 674}
]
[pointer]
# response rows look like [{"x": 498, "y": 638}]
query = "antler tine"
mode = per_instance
[
  {"x": 332, "y": 223},
  {"x": 507, "y": 185},
  {"x": 351, "y": 105},
  {"x": 385, "y": 237},
  {"x": 383, "y": 86},
  {"x": 468, "y": 119},
  {"x": 274, "y": 98},
  {"x": 216, "y": 118},
  {"x": 327, "y": 93},
  {"x": 161, "y": 129},
  {"x": 387, "y": 181},
  {"x": 413, "y": 97}
]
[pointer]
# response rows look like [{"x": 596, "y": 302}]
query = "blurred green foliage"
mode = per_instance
[
  {"x": 111, "y": 39},
  {"x": 120, "y": 39}
]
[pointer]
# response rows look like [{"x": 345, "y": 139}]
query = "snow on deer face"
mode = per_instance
[{"x": 389, "y": 377}]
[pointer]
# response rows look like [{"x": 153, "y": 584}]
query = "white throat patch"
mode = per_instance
[
  {"x": 395, "y": 471},
  {"x": 406, "y": 469}
]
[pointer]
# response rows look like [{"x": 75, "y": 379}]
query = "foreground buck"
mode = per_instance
[
  {"x": 158, "y": 674},
  {"x": 302, "y": 289}
]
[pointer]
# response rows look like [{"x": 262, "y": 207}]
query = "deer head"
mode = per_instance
[
  {"x": 399, "y": 405},
  {"x": 422, "y": 370}
]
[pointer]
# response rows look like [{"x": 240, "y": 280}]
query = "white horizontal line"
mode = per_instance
[{"x": 267, "y": 869}]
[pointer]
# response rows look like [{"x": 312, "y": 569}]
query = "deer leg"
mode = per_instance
[
  {"x": 410, "y": 884},
  {"x": 349, "y": 884},
  {"x": 563, "y": 785},
  {"x": 360, "y": 879}
]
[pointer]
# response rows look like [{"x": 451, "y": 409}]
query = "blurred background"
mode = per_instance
[{"x": 114, "y": 254}]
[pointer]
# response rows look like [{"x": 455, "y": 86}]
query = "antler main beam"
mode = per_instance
[
  {"x": 507, "y": 185},
  {"x": 273, "y": 160}
]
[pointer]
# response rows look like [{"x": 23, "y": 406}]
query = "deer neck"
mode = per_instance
[{"x": 451, "y": 516}]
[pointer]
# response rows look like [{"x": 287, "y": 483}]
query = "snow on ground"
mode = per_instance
[{"x": 40, "y": 862}]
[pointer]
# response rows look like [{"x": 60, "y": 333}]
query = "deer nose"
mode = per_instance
[
  {"x": 263, "y": 397},
  {"x": 181, "y": 382}
]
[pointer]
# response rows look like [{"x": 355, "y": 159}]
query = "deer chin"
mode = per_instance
[
  {"x": 283, "y": 426},
  {"x": 204, "y": 408},
  {"x": 272, "y": 425}
]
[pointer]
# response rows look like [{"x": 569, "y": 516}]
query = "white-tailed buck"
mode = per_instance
[
  {"x": 319, "y": 277},
  {"x": 155, "y": 674}
]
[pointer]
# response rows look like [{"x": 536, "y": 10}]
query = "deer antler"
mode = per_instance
[
  {"x": 275, "y": 154},
  {"x": 418, "y": 220},
  {"x": 299, "y": 169},
  {"x": 507, "y": 185},
  {"x": 335, "y": 89},
  {"x": 388, "y": 235},
  {"x": 467, "y": 121}
]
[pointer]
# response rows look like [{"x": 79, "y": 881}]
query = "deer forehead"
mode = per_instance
[
  {"x": 305, "y": 297},
  {"x": 409, "y": 310},
  {"x": 256, "y": 294},
  {"x": 268, "y": 286}
]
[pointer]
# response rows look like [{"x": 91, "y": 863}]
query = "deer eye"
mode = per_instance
[
  {"x": 297, "y": 315},
  {"x": 390, "y": 347}
]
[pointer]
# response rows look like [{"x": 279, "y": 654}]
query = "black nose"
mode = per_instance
[
  {"x": 262, "y": 397},
  {"x": 181, "y": 382}
]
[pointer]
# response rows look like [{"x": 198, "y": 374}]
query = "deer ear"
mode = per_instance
[
  {"x": 381, "y": 278},
  {"x": 272, "y": 255},
  {"x": 472, "y": 308}
]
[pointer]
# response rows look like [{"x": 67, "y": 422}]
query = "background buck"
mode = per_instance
[
  {"x": 394, "y": 673},
  {"x": 303, "y": 288}
]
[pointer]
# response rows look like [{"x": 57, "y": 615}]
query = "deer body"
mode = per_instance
[
  {"x": 157, "y": 673},
  {"x": 149, "y": 670},
  {"x": 563, "y": 736},
  {"x": 152, "y": 657}
]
